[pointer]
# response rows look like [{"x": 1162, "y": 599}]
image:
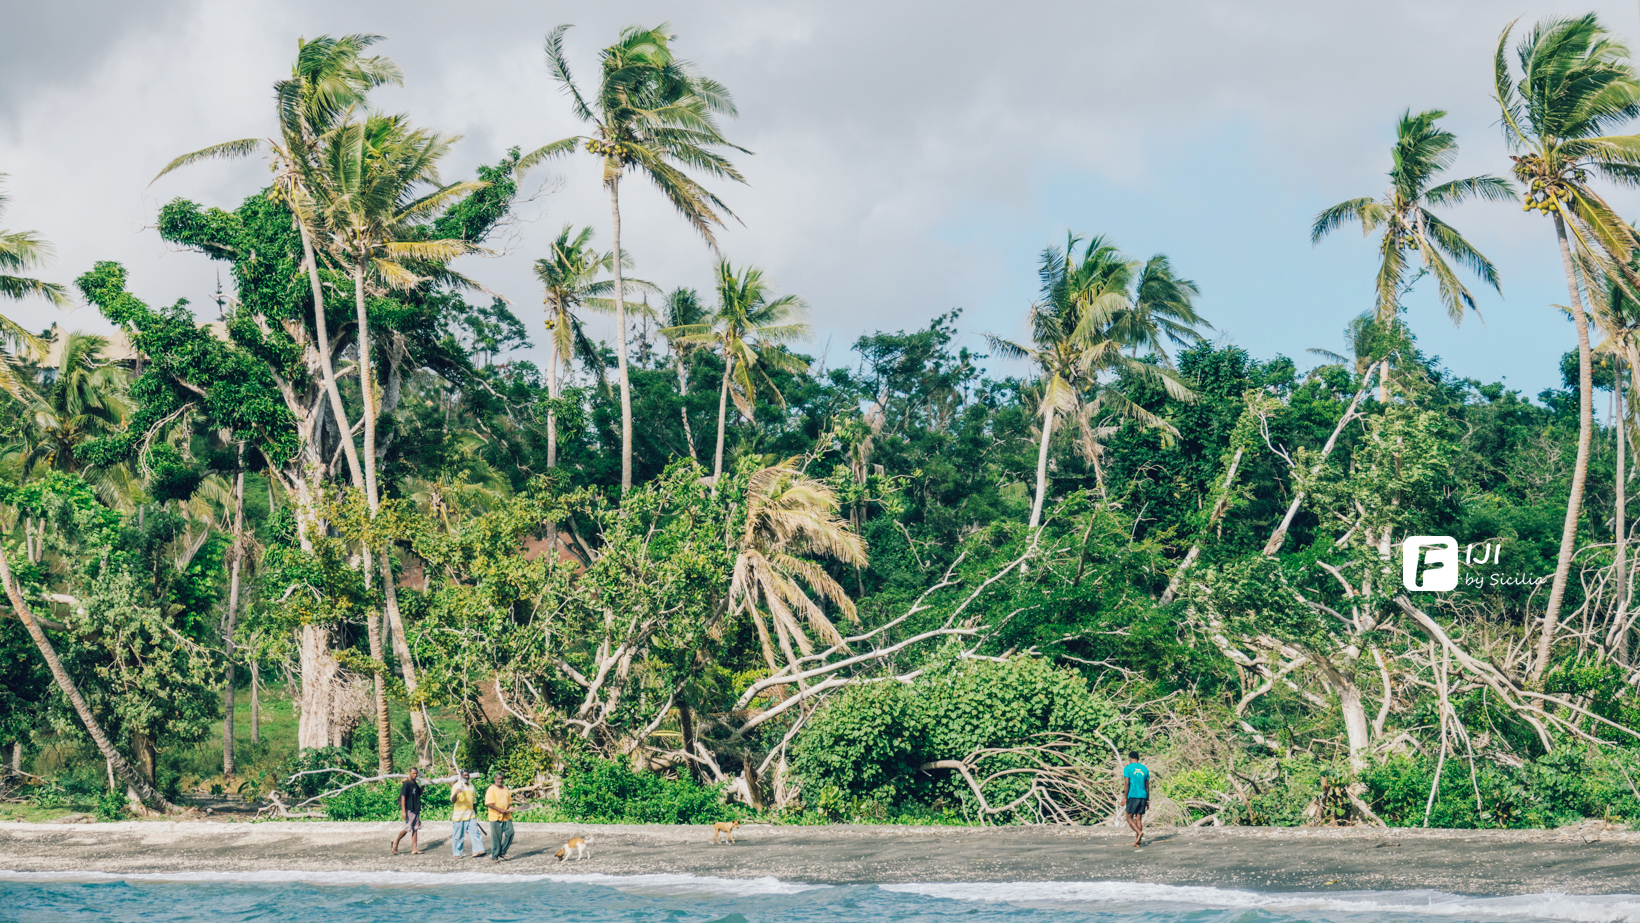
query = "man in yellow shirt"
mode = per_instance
[
  {"x": 463, "y": 799},
  {"x": 498, "y": 798}
]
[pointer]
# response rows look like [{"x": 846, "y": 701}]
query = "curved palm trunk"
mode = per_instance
[
  {"x": 620, "y": 342},
  {"x": 232, "y": 615},
  {"x": 116, "y": 762},
  {"x": 1042, "y": 465},
  {"x": 1580, "y": 469},
  {"x": 316, "y": 725},
  {"x": 322, "y": 329},
  {"x": 553, "y": 391},
  {"x": 367, "y": 387},
  {"x": 407, "y": 664},
  {"x": 683, "y": 407},
  {"x": 1622, "y": 524},
  {"x": 723, "y": 417}
]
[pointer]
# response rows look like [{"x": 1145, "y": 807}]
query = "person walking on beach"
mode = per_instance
[
  {"x": 1137, "y": 775},
  {"x": 410, "y": 810},
  {"x": 498, "y": 798},
  {"x": 464, "y": 816}
]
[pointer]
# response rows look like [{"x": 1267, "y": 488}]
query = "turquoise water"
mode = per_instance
[{"x": 346, "y": 897}]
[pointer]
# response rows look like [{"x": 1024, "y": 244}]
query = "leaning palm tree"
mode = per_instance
[
  {"x": 790, "y": 520},
  {"x": 331, "y": 78},
  {"x": 750, "y": 328},
  {"x": 21, "y": 251},
  {"x": 1074, "y": 345},
  {"x": 1422, "y": 152},
  {"x": 652, "y": 115},
  {"x": 1576, "y": 85}
]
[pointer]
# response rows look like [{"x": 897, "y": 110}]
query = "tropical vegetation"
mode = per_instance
[{"x": 353, "y": 526}]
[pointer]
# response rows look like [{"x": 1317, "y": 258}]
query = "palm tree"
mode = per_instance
[
  {"x": 750, "y": 328},
  {"x": 376, "y": 189},
  {"x": 1575, "y": 85},
  {"x": 653, "y": 115},
  {"x": 790, "y": 519},
  {"x": 81, "y": 398},
  {"x": 370, "y": 194},
  {"x": 683, "y": 309},
  {"x": 569, "y": 279},
  {"x": 21, "y": 251},
  {"x": 1422, "y": 152},
  {"x": 1163, "y": 308},
  {"x": 1615, "y": 313},
  {"x": 330, "y": 79},
  {"x": 1075, "y": 343},
  {"x": 117, "y": 763}
]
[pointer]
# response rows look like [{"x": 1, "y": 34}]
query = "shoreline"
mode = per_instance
[{"x": 1581, "y": 860}]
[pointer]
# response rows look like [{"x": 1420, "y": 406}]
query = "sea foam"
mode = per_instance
[
  {"x": 1135, "y": 896},
  {"x": 637, "y": 884}
]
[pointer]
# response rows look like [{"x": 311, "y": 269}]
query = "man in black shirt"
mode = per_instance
[{"x": 410, "y": 809}]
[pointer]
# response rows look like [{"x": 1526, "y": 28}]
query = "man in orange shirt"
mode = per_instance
[{"x": 498, "y": 798}]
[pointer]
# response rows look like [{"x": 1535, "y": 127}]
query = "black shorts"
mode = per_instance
[{"x": 1138, "y": 806}]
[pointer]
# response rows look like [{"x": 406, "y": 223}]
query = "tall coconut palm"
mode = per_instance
[
  {"x": 1074, "y": 345},
  {"x": 375, "y": 189},
  {"x": 22, "y": 251},
  {"x": 1576, "y": 85},
  {"x": 683, "y": 309},
  {"x": 750, "y": 328},
  {"x": 330, "y": 79},
  {"x": 1421, "y": 154},
  {"x": 790, "y": 520},
  {"x": 654, "y": 116}
]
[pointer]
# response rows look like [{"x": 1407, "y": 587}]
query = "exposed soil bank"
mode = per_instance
[{"x": 1581, "y": 860}]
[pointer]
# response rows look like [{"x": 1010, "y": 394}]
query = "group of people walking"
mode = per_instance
[{"x": 463, "y": 816}]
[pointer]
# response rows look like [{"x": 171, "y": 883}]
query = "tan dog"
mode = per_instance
[
  {"x": 725, "y": 830},
  {"x": 577, "y": 846}
]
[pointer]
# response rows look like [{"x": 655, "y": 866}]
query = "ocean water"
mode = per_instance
[{"x": 356, "y": 897}]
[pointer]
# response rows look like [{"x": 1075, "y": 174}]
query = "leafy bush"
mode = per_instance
[
  {"x": 111, "y": 806},
  {"x": 867, "y": 745},
  {"x": 1559, "y": 788},
  {"x": 600, "y": 791},
  {"x": 379, "y": 801}
]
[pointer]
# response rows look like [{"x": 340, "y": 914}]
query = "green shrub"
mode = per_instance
[
  {"x": 866, "y": 746},
  {"x": 603, "y": 791},
  {"x": 111, "y": 806},
  {"x": 1558, "y": 788}
]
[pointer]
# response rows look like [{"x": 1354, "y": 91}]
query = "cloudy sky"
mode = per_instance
[{"x": 907, "y": 162}]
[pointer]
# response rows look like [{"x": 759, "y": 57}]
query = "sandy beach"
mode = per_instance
[{"x": 1585, "y": 860}]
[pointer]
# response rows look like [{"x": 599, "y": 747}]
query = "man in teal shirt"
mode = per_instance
[{"x": 1138, "y": 796}]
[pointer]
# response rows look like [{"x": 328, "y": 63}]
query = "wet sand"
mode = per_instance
[{"x": 1584, "y": 860}]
